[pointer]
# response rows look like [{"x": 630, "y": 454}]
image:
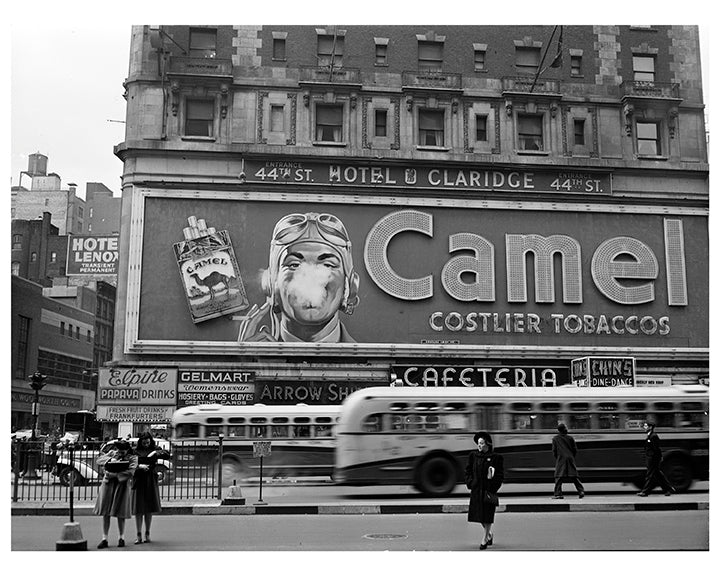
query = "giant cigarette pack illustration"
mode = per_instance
[{"x": 209, "y": 272}]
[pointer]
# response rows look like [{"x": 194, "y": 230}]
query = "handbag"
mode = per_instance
[{"x": 491, "y": 498}]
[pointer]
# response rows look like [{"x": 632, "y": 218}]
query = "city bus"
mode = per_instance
[
  {"x": 301, "y": 439},
  {"x": 422, "y": 436}
]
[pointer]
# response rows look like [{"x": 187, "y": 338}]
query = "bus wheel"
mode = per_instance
[
  {"x": 436, "y": 476},
  {"x": 679, "y": 474}
]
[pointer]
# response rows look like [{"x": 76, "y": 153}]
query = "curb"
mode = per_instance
[{"x": 335, "y": 509}]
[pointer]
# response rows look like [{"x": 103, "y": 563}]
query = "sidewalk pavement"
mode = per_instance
[{"x": 282, "y": 503}]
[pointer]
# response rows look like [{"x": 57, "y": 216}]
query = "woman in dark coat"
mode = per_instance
[
  {"x": 484, "y": 475},
  {"x": 114, "y": 498},
  {"x": 146, "y": 493}
]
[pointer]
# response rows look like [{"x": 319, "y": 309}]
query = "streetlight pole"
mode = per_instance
[{"x": 37, "y": 383}]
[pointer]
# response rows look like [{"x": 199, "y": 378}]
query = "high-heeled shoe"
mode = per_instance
[
  {"x": 483, "y": 546},
  {"x": 147, "y": 537},
  {"x": 138, "y": 540},
  {"x": 489, "y": 540}
]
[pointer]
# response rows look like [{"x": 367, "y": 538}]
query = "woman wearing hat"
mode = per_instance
[
  {"x": 146, "y": 492},
  {"x": 115, "y": 498},
  {"x": 484, "y": 475}
]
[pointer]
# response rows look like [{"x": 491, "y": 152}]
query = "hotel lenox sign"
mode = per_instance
[{"x": 435, "y": 276}]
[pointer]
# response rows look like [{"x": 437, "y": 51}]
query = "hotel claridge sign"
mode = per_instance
[{"x": 309, "y": 210}]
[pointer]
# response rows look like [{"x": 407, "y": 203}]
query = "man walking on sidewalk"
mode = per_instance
[
  {"x": 653, "y": 458},
  {"x": 564, "y": 450}
]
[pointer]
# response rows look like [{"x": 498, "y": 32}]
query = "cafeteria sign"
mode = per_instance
[
  {"x": 603, "y": 371},
  {"x": 92, "y": 255}
]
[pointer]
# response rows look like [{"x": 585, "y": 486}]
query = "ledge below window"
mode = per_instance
[
  {"x": 322, "y": 143},
  {"x": 433, "y": 148},
  {"x": 198, "y": 138},
  {"x": 532, "y": 152},
  {"x": 650, "y": 157}
]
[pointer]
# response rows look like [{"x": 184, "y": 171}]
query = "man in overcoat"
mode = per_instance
[
  {"x": 653, "y": 459},
  {"x": 564, "y": 450}
]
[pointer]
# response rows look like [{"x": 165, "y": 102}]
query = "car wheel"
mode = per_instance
[
  {"x": 163, "y": 474},
  {"x": 436, "y": 476},
  {"x": 66, "y": 473}
]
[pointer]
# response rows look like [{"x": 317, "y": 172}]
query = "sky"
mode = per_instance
[{"x": 66, "y": 92}]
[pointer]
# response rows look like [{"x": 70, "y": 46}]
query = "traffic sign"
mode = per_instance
[{"x": 261, "y": 449}]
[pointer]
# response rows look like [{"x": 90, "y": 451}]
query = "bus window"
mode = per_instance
[
  {"x": 432, "y": 422},
  {"x": 236, "y": 431},
  {"x": 279, "y": 431},
  {"x": 548, "y": 421},
  {"x": 414, "y": 423},
  {"x": 372, "y": 423},
  {"x": 187, "y": 431},
  {"x": 213, "y": 431},
  {"x": 692, "y": 415},
  {"x": 301, "y": 431},
  {"x": 323, "y": 431},
  {"x": 426, "y": 406},
  {"x": 396, "y": 423},
  {"x": 399, "y": 406},
  {"x": 488, "y": 416},
  {"x": 455, "y": 422},
  {"x": 521, "y": 421},
  {"x": 579, "y": 422},
  {"x": 608, "y": 421},
  {"x": 258, "y": 431}
]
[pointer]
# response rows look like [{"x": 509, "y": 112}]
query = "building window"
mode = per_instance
[
  {"x": 17, "y": 242},
  {"x": 89, "y": 227},
  {"x": 527, "y": 59},
  {"x": 47, "y": 201},
  {"x": 77, "y": 332},
  {"x": 381, "y": 123},
  {"x": 277, "y": 118},
  {"x": 644, "y": 68},
  {"x": 579, "y": 131},
  {"x": 81, "y": 212},
  {"x": 15, "y": 268},
  {"x": 62, "y": 328},
  {"x": 53, "y": 256},
  {"x": 330, "y": 50},
  {"x": 23, "y": 340},
  {"x": 576, "y": 65},
  {"x": 329, "y": 123},
  {"x": 91, "y": 212},
  {"x": 648, "y": 139},
  {"x": 481, "y": 128},
  {"x": 431, "y": 127},
  {"x": 479, "y": 60},
  {"x": 199, "y": 117},
  {"x": 33, "y": 257},
  {"x": 89, "y": 336},
  {"x": 430, "y": 55},
  {"x": 381, "y": 54},
  {"x": 203, "y": 42},
  {"x": 278, "y": 49},
  {"x": 530, "y": 132}
]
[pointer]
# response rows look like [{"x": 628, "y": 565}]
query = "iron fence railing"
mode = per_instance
[{"x": 41, "y": 472}]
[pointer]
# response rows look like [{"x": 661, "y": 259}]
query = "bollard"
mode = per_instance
[
  {"x": 234, "y": 496},
  {"x": 71, "y": 537}
]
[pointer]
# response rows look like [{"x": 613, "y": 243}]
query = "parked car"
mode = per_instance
[{"x": 85, "y": 469}]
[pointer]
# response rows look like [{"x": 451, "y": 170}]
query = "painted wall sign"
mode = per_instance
[
  {"x": 137, "y": 386},
  {"x": 92, "y": 255},
  {"x": 46, "y": 400},
  {"x": 336, "y": 272},
  {"x": 482, "y": 376},
  {"x": 653, "y": 380},
  {"x": 231, "y": 387},
  {"x": 477, "y": 179},
  {"x": 603, "y": 372},
  {"x": 130, "y": 413}
]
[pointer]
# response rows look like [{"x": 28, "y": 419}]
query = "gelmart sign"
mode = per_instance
[
  {"x": 137, "y": 386},
  {"x": 228, "y": 387},
  {"x": 92, "y": 255},
  {"x": 467, "y": 273}
]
